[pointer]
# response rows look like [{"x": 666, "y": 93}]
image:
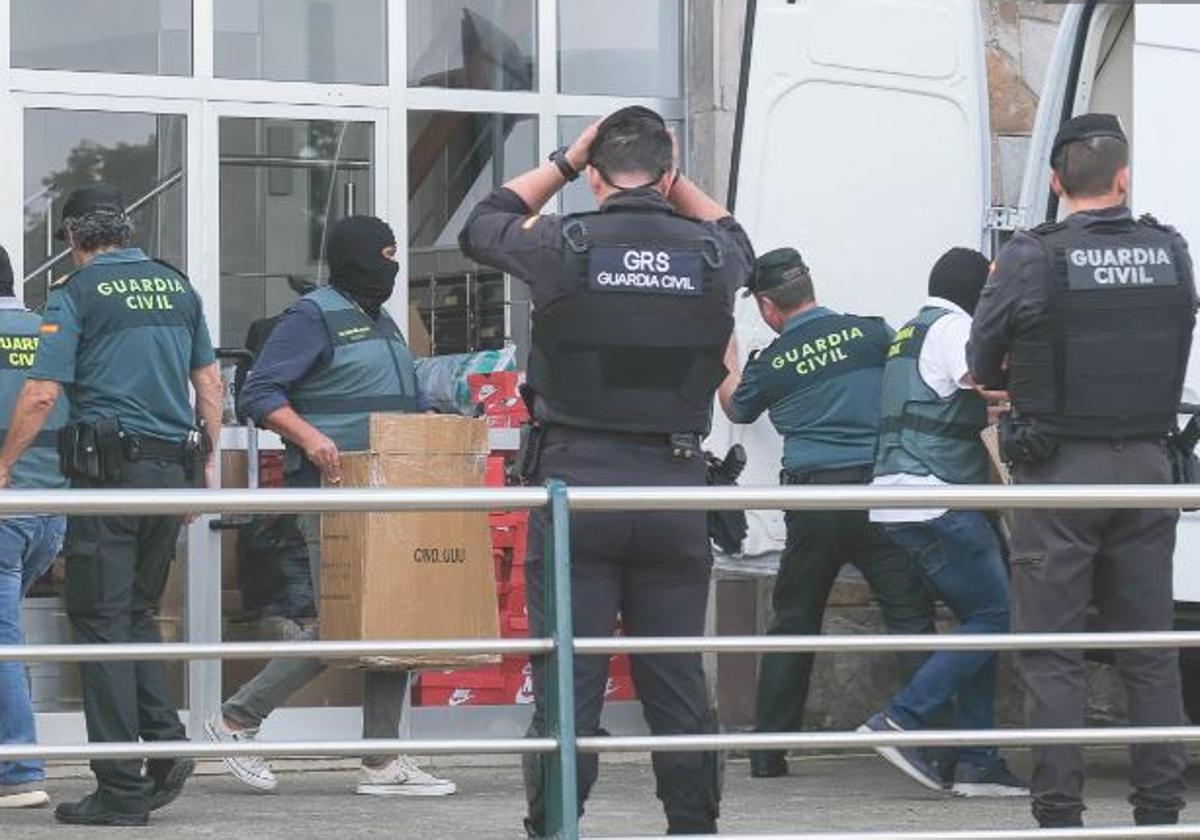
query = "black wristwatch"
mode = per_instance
[{"x": 559, "y": 158}]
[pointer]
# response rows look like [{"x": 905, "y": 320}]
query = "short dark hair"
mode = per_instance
[
  {"x": 793, "y": 293},
  {"x": 1086, "y": 168},
  {"x": 99, "y": 229},
  {"x": 633, "y": 140}
]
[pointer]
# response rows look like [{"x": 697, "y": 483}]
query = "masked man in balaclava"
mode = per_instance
[{"x": 334, "y": 358}]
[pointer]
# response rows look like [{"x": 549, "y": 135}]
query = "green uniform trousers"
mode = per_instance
[{"x": 116, "y": 571}]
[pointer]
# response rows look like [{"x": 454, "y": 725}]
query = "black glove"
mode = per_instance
[{"x": 726, "y": 528}]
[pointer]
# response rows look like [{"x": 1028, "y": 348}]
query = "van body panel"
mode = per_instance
[
  {"x": 863, "y": 142},
  {"x": 1166, "y": 181}
]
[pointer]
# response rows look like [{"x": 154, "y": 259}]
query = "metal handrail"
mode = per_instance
[
  {"x": 158, "y": 189},
  {"x": 856, "y": 497},
  {"x": 1173, "y": 831},
  {"x": 639, "y": 645},
  {"x": 560, "y": 744}
]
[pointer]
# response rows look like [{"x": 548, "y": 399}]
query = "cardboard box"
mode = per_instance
[{"x": 419, "y": 575}]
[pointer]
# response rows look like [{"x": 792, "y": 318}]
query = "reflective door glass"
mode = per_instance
[
  {"x": 282, "y": 183},
  {"x": 481, "y": 44},
  {"x": 142, "y": 155},
  {"x": 454, "y": 160},
  {"x": 113, "y": 36}
]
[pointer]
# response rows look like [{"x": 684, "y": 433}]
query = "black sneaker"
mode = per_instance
[
  {"x": 169, "y": 777},
  {"x": 995, "y": 781},
  {"x": 909, "y": 760},
  {"x": 768, "y": 764},
  {"x": 91, "y": 811}
]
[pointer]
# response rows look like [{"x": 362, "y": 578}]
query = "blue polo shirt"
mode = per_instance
[
  {"x": 819, "y": 382},
  {"x": 123, "y": 335}
]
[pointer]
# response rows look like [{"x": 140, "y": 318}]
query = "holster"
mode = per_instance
[
  {"x": 196, "y": 448},
  {"x": 1181, "y": 450},
  {"x": 1022, "y": 442},
  {"x": 93, "y": 452},
  {"x": 78, "y": 454},
  {"x": 529, "y": 456}
]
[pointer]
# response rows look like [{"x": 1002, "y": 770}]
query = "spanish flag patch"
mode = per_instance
[{"x": 48, "y": 329}]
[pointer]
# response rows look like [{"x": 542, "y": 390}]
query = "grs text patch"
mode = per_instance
[{"x": 646, "y": 271}]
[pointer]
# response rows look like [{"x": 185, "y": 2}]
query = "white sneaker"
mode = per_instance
[
  {"x": 402, "y": 778},
  {"x": 23, "y": 795},
  {"x": 253, "y": 770}
]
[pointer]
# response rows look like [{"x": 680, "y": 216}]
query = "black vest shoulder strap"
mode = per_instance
[{"x": 166, "y": 264}]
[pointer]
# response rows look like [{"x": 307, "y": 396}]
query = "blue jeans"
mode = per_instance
[
  {"x": 960, "y": 556},
  {"x": 28, "y": 545}
]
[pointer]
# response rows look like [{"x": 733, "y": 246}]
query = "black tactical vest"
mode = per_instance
[
  {"x": 638, "y": 344},
  {"x": 1109, "y": 357}
]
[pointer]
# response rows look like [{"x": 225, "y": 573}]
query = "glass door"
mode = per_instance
[
  {"x": 142, "y": 148},
  {"x": 283, "y": 180}
]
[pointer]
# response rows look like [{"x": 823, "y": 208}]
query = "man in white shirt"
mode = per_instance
[{"x": 929, "y": 435}]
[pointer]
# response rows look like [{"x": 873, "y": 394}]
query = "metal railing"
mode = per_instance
[{"x": 559, "y": 744}]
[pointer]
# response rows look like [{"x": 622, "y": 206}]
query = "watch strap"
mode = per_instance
[{"x": 559, "y": 158}]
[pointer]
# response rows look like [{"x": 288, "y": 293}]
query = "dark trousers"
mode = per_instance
[
  {"x": 1065, "y": 560},
  {"x": 818, "y": 544},
  {"x": 652, "y": 569},
  {"x": 116, "y": 570}
]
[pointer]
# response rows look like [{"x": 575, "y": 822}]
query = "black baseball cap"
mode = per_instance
[
  {"x": 1085, "y": 127},
  {"x": 94, "y": 198},
  {"x": 775, "y": 268}
]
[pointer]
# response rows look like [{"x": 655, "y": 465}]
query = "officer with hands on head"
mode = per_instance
[
  {"x": 331, "y": 361},
  {"x": 124, "y": 336},
  {"x": 1087, "y": 322},
  {"x": 633, "y": 310},
  {"x": 28, "y": 544},
  {"x": 819, "y": 381}
]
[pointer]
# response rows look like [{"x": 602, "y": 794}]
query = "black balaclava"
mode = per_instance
[
  {"x": 959, "y": 277},
  {"x": 357, "y": 265},
  {"x": 7, "y": 288}
]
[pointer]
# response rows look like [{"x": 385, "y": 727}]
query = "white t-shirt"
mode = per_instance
[{"x": 943, "y": 366}]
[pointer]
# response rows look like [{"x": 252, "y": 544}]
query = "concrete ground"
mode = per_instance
[{"x": 844, "y": 793}]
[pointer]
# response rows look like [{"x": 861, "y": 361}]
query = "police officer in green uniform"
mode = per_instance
[
  {"x": 1088, "y": 323},
  {"x": 819, "y": 383},
  {"x": 124, "y": 336},
  {"x": 331, "y": 361},
  {"x": 28, "y": 544},
  {"x": 633, "y": 309}
]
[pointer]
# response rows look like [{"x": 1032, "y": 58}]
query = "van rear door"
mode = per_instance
[{"x": 862, "y": 140}]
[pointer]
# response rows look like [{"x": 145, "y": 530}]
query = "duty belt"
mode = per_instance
[
  {"x": 140, "y": 446},
  {"x": 861, "y": 474}
]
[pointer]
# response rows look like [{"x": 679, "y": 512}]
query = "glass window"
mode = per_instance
[
  {"x": 282, "y": 183},
  {"x": 116, "y": 36},
  {"x": 454, "y": 161},
  {"x": 481, "y": 44},
  {"x": 621, "y": 47},
  {"x": 332, "y": 41},
  {"x": 142, "y": 155}
]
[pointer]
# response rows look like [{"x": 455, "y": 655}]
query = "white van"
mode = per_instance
[{"x": 862, "y": 140}]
